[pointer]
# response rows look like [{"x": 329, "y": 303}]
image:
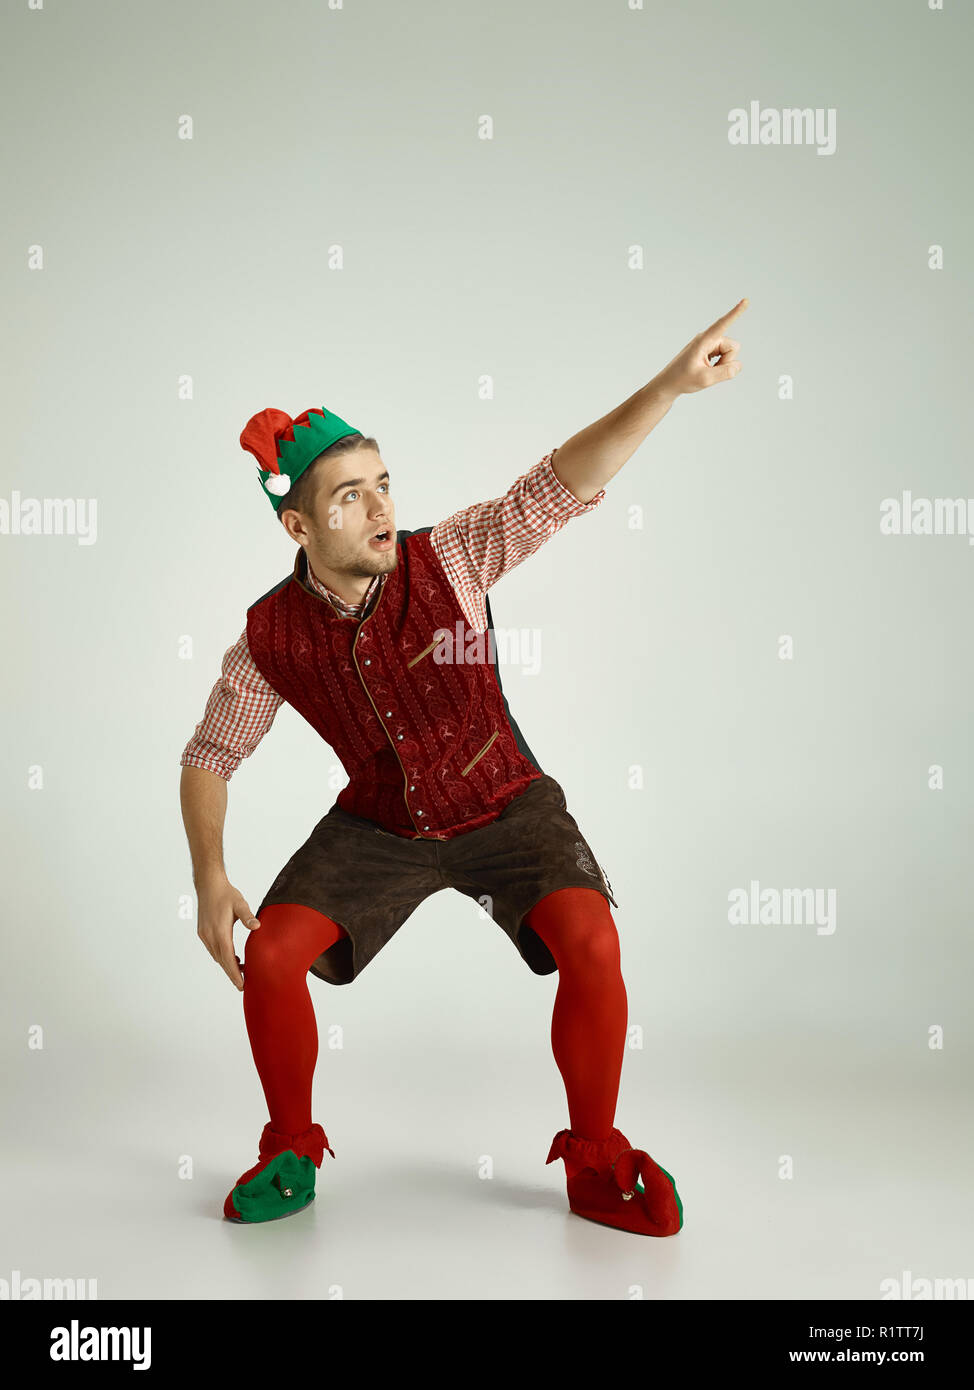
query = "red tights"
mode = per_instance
[{"x": 588, "y": 1025}]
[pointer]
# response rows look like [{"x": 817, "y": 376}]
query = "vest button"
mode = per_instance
[
  {"x": 412, "y": 789},
  {"x": 398, "y": 735},
  {"x": 367, "y": 662},
  {"x": 426, "y": 827},
  {"x": 388, "y": 713},
  {"x": 422, "y": 813}
]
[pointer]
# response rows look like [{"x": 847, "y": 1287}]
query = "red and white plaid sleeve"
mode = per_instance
[
  {"x": 240, "y": 709},
  {"x": 479, "y": 544}
]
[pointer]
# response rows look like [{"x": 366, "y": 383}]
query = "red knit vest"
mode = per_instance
[{"x": 430, "y": 746}]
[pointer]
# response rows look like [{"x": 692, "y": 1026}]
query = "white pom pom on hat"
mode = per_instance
[{"x": 278, "y": 484}]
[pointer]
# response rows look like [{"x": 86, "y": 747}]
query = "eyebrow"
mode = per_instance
[{"x": 355, "y": 482}]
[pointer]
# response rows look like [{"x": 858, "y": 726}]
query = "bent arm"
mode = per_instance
[
  {"x": 203, "y": 796},
  {"x": 203, "y": 799},
  {"x": 239, "y": 711}
]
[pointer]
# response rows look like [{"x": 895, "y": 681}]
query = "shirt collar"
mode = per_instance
[{"x": 347, "y": 610}]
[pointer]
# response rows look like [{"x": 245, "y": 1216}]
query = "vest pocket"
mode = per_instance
[
  {"x": 476, "y": 758},
  {"x": 425, "y": 652}
]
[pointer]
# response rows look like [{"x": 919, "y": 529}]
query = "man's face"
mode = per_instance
[{"x": 353, "y": 503}]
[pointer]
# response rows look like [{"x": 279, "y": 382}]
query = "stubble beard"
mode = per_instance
[{"x": 357, "y": 567}]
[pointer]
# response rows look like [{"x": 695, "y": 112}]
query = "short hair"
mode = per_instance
[{"x": 300, "y": 497}]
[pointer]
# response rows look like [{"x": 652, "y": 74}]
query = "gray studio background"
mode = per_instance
[{"x": 205, "y": 267}]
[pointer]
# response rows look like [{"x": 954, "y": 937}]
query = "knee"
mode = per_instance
[
  {"x": 577, "y": 926},
  {"x": 263, "y": 957},
  {"x": 287, "y": 942},
  {"x": 594, "y": 951},
  {"x": 268, "y": 953}
]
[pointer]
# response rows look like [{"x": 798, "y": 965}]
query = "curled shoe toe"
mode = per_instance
[{"x": 614, "y": 1184}]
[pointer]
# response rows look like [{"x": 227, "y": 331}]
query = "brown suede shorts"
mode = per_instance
[{"x": 369, "y": 881}]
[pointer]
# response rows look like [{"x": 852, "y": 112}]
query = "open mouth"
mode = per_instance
[{"x": 382, "y": 541}]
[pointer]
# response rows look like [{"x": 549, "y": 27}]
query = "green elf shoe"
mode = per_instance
[{"x": 282, "y": 1182}]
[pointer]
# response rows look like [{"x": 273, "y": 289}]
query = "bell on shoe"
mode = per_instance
[
  {"x": 282, "y": 1181},
  {"x": 606, "y": 1188}
]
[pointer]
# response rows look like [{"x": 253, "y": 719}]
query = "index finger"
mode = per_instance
[
  {"x": 227, "y": 958},
  {"x": 233, "y": 971},
  {"x": 722, "y": 324}
]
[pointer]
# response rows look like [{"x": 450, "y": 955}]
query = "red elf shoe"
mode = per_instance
[
  {"x": 607, "y": 1189},
  {"x": 282, "y": 1181}
]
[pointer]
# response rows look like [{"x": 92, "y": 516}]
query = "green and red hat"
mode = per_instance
[{"x": 284, "y": 448}]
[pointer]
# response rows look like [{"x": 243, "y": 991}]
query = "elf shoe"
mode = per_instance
[
  {"x": 282, "y": 1181},
  {"x": 607, "y": 1188}
]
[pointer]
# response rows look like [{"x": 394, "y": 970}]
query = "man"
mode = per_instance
[{"x": 383, "y": 641}]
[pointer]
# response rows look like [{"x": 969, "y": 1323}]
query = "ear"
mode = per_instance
[{"x": 292, "y": 523}]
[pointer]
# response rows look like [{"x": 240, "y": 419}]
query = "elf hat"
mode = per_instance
[{"x": 284, "y": 448}]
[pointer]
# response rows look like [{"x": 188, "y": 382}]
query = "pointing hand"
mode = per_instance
[{"x": 692, "y": 369}]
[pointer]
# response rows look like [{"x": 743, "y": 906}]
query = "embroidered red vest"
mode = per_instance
[{"x": 429, "y": 744}]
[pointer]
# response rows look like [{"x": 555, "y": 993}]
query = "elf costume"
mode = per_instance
[{"x": 443, "y": 792}]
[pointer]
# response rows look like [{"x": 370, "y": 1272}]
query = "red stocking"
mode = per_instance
[
  {"x": 588, "y": 1025},
  {"x": 278, "y": 1010}
]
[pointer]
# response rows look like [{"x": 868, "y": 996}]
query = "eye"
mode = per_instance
[{"x": 353, "y": 492}]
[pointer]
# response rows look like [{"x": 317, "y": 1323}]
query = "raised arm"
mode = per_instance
[
  {"x": 479, "y": 544},
  {"x": 591, "y": 458}
]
